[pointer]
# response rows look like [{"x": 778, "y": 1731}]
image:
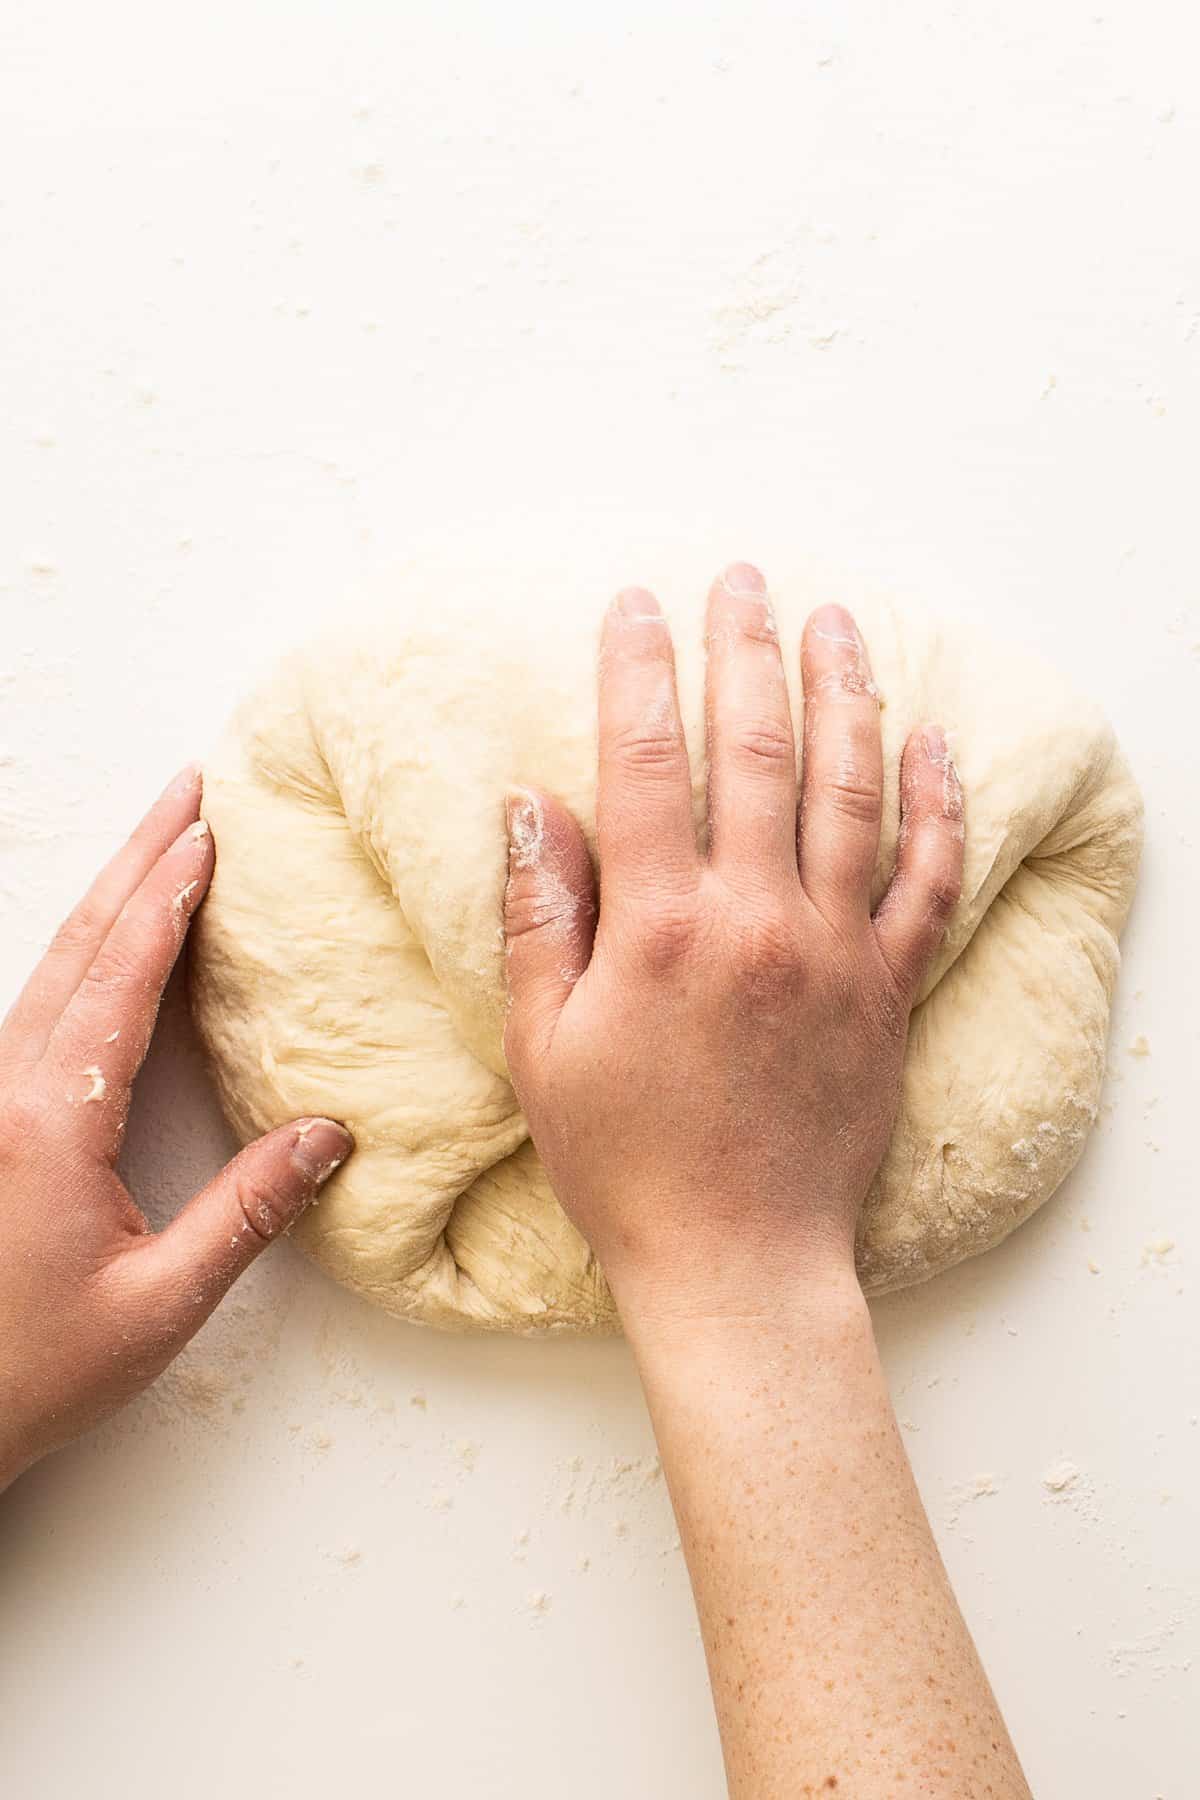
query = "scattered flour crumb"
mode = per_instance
[
  {"x": 984, "y": 1487},
  {"x": 419, "y": 1401},
  {"x": 1140, "y": 1045},
  {"x": 1069, "y": 1488},
  {"x": 539, "y": 1602}
]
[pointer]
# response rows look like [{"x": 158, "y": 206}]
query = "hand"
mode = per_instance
[
  {"x": 711, "y": 1071},
  {"x": 93, "y": 1305}
]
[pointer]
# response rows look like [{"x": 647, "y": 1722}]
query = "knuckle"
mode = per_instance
[
  {"x": 524, "y": 911},
  {"x": 650, "y": 753},
  {"x": 265, "y": 1206},
  {"x": 118, "y": 965},
  {"x": 667, "y": 935},
  {"x": 78, "y": 932},
  {"x": 944, "y": 889},
  {"x": 768, "y": 944},
  {"x": 765, "y": 746},
  {"x": 538, "y": 906},
  {"x": 855, "y": 797},
  {"x": 756, "y": 627}
]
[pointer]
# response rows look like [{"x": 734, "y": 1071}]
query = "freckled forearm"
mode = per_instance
[{"x": 837, "y": 1654}]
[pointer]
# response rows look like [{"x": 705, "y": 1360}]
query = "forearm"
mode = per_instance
[{"x": 837, "y": 1653}]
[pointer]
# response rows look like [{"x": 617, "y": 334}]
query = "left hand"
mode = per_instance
[{"x": 93, "y": 1305}]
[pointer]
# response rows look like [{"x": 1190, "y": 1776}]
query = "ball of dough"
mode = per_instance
[{"x": 349, "y": 957}]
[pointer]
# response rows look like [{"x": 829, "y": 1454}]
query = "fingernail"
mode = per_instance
[
  {"x": 188, "y": 778},
  {"x": 836, "y": 626},
  {"x": 637, "y": 603},
  {"x": 743, "y": 580},
  {"x": 320, "y": 1147},
  {"x": 194, "y": 834},
  {"x": 937, "y": 749},
  {"x": 526, "y": 827}
]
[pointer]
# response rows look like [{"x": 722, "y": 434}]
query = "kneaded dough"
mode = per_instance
[{"x": 349, "y": 957}]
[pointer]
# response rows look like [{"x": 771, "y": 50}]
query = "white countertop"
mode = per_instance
[{"x": 295, "y": 294}]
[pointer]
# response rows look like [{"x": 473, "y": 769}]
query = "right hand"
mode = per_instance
[{"x": 711, "y": 1066}]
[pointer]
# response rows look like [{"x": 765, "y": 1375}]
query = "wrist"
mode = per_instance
[{"x": 694, "y": 1325}]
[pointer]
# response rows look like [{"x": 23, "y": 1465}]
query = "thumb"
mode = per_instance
[
  {"x": 549, "y": 915},
  {"x": 256, "y": 1197}
]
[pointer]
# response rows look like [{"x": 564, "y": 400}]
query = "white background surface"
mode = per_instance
[{"x": 295, "y": 293}]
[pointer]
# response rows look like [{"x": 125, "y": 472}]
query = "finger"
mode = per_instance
[
  {"x": 101, "y": 1040},
  {"x": 191, "y": 1264},
  {"x": 549, "y": 916},
  {"x": 912, "y": 916},
  {"x": 841, "y": 794},
  {"x": 751, "y": 751},
  {"x": 644, "y": 795},
  {"x": 36, "y": 1011}
]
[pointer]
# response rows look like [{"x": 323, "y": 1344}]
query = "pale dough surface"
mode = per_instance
[{"x": 349, "y": 957}]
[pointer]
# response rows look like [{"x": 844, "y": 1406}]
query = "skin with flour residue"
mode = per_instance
[
  {"x": 551, "y": 904},
  {"x": 94, "y": 1305},
  {"x": 710, "y": 1099}
]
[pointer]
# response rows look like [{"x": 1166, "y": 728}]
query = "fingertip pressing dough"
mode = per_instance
[{"x": 349, "y": 957}]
